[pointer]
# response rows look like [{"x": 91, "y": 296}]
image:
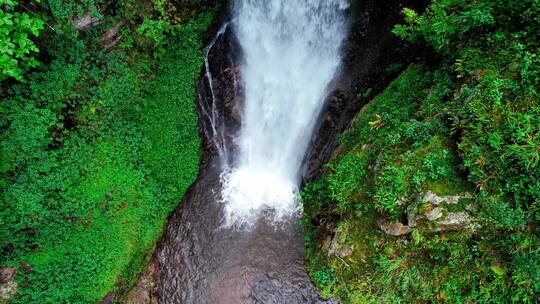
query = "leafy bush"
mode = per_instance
[
  {"x": 17, "y": 48},
  {"x": 154, "y": 31}
]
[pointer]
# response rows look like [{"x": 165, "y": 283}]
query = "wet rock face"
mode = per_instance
[
  {"x": 220, "y": 93},
  {"x": 369, "y": 51}
]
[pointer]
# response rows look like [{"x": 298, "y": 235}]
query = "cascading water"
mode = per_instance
[{"x": 291, "y": 51}]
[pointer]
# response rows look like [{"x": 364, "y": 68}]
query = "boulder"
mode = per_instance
[
  {"x": 8, "y": 287},
  {"x": 338, "y": 248},
  {"x": 432, "y": 213},
  {"x": 86, "y": 21},
  {"x": 432, "y": 198},
  {"x": 393, "y": 228}
]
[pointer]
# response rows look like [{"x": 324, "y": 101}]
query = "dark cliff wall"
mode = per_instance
[{"x": 372, "y": 57}]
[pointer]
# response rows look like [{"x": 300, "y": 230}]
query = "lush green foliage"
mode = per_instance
[
  {"x": 471, "y": 124},
  {"x": 96, "y": 149},
  {"x": 65, "y": 10},
  {"x": 16, "y": 45}
]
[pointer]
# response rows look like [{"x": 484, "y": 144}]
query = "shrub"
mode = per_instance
[{"x": 17, "y": 52}]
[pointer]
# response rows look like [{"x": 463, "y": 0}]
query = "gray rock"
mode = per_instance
[
  {"x": 459, "y": 220},
  {"x": 86, "y": 21},
  {"x": 435, "y": 214},
  {"x": 432, "y": 198},
  {"x": 412, "y": 214},
  {"x": 8, "y": 287},
  {"x": 338, "y": 249},
  {"x": 395, "y": 228}
]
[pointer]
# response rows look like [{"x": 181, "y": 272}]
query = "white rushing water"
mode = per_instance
[{"x": 292, "y": 51}]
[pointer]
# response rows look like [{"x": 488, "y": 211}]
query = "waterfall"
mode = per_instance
[
  {"x": 209, "y": 110},
  {"x": 291, "y": 52}
]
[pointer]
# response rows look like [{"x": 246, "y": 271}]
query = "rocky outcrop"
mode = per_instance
[
  {"x": 431, "y": 213},
  {"x": 338, "y": 247},
  {"x": 8, "y": 287},
  {"x": 434, "y": 213},
  {"x": 86, "y": 21},
  {"x": 393, "y": 228}
]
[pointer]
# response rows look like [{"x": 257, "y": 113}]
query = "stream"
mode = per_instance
[{"x": 236, "y": 237}]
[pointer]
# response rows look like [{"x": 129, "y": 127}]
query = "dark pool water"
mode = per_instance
[{"x": 199, "y": 261}]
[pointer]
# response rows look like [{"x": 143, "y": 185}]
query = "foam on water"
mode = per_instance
[{"x": 248, "y": 191}]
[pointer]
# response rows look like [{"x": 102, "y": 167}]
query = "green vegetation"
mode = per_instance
[
  {"x": 17, "y": 48},
  {"x": 465, "y": 131},
  {"x": 97, "y": 145}
]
